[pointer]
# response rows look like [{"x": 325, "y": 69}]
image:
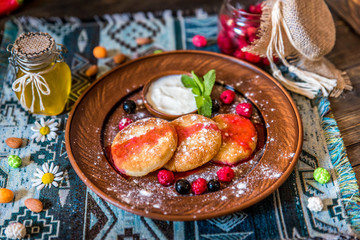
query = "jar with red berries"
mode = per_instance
[{"x": 238, "y": 27}]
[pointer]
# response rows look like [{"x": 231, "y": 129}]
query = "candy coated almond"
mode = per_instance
[
  {"x": 119, "y": 58},
  {"x": 143, "y": 41},
  {"x": 91, "y": 71},
  {"x": 34, "y": 205},
  {"x": 14, "y": 142}
]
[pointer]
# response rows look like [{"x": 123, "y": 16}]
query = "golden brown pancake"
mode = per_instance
[
  {"x": 239, "y": 138},
  {"x": 144, "y": 146},
  {"x": 199, "y": 141}
]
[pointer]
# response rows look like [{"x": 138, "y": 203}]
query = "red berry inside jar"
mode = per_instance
[{"x": 238, "y": 28}]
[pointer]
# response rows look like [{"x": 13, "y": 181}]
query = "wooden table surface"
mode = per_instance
[{"x": 345, "y": 55}]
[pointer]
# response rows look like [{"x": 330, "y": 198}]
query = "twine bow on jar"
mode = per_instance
[
  {"x": 34, "y": 56},
  {"x": 38, "y": 82}
]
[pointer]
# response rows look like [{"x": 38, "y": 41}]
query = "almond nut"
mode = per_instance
[
  {"x": 143, "y": 41},
  {"x": 14, "y": 142},
  {"x": 119, "y": 58},
  {"x": 34, "y": 205},
  {"x": 91, "y": 71}
]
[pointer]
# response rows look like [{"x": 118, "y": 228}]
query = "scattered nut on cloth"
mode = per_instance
[
  {"x": 143, "y": 41},
  {"x": 35, "y": 205},
  {"x": 92, "y": 70},
  {"x": 14, "y": 142},
  {"x": 119, "y": 58}
]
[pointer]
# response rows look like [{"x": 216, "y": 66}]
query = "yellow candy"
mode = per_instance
[{"x": 6, "y": 195}]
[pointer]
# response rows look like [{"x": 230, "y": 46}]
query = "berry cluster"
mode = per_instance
[
  {"x": 129, "y": 106},
  {"x": 239, "y": 30},
  {"x": 243, "y": 109},
  {"x": 199, "y": 186}
]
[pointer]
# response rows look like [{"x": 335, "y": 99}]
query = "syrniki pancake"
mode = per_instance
[
  {"x": 199, "y": 141},
  {"x": 239, "y": 138},
  {"x": 144, "y": 146}
]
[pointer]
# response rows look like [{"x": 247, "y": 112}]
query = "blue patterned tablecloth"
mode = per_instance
[{"x": 72, "y": 211}]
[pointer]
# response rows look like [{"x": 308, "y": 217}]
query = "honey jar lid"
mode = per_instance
[{"x": 32, "y": 45}]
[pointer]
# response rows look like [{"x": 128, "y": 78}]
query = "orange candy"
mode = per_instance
[
  {"x": 91, "y": 71},
  {"x": 6, "y": 195},
  {"x": 100, "y": 52}
]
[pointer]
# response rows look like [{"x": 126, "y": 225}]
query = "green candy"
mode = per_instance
[
  {"x": 158, "y": 51},
  {"x": 322, "y": 175},
  {"x": 14, "y": 161}
]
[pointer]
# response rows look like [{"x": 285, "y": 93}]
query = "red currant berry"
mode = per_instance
[
  {"x": 225, "y": 174},
  {"x": 124, "y": 122},
  {"x": 166, "y": 177},
  {"x": 199, "y": 41},
  {"x": 227, "y": 96},
  {"x": 244, "y": 109},
  {"x": 199, "y": 186}
]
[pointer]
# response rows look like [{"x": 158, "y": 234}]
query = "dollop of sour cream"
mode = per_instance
[{"x": 168, "y": 95}]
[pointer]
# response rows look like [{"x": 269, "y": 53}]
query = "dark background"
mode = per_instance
[{"x": 88, "y": 8}]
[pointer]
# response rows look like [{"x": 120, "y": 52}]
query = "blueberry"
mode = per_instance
[
  {"x": 215, "y": 106},
  {"x": 129, "y": 106},
  {"x": 182, "y": 186},
  {"x": 213, "y": 185}
]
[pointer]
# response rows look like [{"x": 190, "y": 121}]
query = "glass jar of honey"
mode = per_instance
[{"x": 42, "y": 80}]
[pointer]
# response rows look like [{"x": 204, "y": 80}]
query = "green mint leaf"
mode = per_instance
[
  {"x": 206, "y": 108},
  {"x": 204, "y": 105},
  {"x": 209, "y": 81},
  {"x": 202, "y": 90},
  {"x": 199, "y": 103},
  {"x": 187, "y": 81},
  {"x": 198, "y": 82},
  {"x": 196, "y": 91}
]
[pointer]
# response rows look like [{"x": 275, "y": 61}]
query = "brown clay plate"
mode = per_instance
[{"x": 93, "y": 124}]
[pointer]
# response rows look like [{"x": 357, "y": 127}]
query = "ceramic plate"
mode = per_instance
[{"x": 93, "y": 124}]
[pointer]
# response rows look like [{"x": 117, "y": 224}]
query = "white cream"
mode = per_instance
[{"x": 168, "y": 95}]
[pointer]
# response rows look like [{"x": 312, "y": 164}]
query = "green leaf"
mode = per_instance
[
  {"x": 199, "y": 101},
  {"x": 196, "y": 91},
  {"x": 204, "y": 105},
  {"x": 207, "y": 106},
  {"x": 202, "y": 89},
  {"x": 209, "y": 81},
  {"x": 187, "y": 81},
  {"x": 198, "y": 82}
]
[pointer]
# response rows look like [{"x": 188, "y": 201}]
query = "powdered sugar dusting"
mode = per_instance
[
  {"x": 147, "y": 194},
  {"x": 241, "y": 188},
  {"x": 269, "y": 173},
  {"x": 241, "y": 185}
]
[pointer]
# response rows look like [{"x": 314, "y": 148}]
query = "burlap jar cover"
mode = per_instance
[
  {"x": 300, "y": 33},
  {"x": 33, "y": 53}
]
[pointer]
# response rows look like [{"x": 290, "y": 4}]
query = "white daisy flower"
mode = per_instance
[
  {"x": 46, "y": 176},
  {"x": 44, "y": 130}
]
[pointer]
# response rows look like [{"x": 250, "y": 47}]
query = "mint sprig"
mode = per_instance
[{"x": 202, "y": 88}]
